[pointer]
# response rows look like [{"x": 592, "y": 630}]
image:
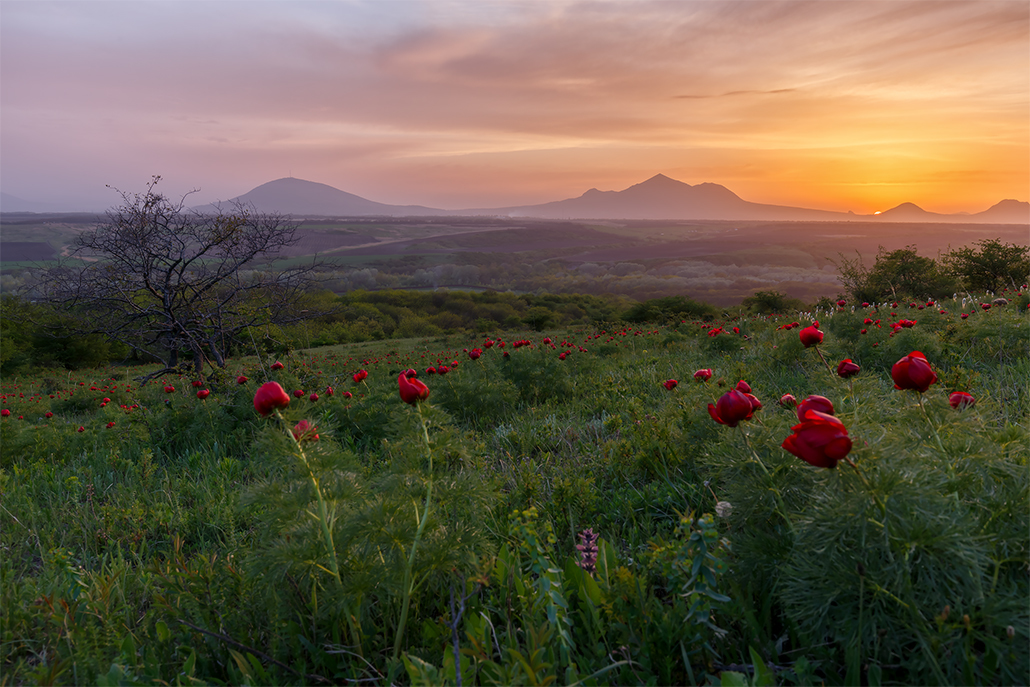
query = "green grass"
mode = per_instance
[{"x": 184, "y": 542}]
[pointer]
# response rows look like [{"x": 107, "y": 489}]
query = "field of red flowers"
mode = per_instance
[{"x": 834, "y": 497}]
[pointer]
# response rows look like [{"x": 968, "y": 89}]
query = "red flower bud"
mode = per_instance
[
  {"x": 961, "y": 399},
  {"x": 411, "y": 389},
  {"x": 913, "y": 372},
  {"x": 847, "y": 368},
  {"x": 203, "y": 393},
  {"x": 731, "y": 408},
  {"x": 788, "y": 401},
  {"x": 277, "y": 365},
  {"x": 241, "y": 380},
  {"x": 670, "y": 384},
  {"x": 820, "y": 440},
  {"x": 820, "y": 403},
  {"x": 269, "y": 397},
  {"x": 810, "y": 336},
  {"x": 703, "y": 375},
  {"x": 304, "y": 431}
]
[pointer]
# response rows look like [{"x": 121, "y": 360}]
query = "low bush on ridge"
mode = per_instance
[{"x": 613, "y": 504}]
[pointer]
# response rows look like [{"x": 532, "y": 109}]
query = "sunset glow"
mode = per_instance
[{"x": 834, "y": 105}]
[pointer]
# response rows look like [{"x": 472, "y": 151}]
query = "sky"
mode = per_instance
[{"x": 829, "y": 104}]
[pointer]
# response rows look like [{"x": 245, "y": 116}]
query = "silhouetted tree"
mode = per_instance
[{"x": 168, "y": 281}]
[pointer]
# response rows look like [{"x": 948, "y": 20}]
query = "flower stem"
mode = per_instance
[
  {"x": 876, "y": 498},
  {"x": 820, "y": 354},
  {"x": 323, "y": 512},
  {"x": 407, "y": 585},
  {"x": 781, "y": 507}
]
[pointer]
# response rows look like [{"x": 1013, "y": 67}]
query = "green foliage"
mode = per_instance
[
  {"x": 896, "y": 274},
  {"x": 196, "y": 541},
  {"x": 668, "y": 308},
  {"x": 990, "y": 266},
  {"x": 770, "y": 302}
]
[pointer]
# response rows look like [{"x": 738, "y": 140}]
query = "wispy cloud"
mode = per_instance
[{"x": 363, "y": 94}]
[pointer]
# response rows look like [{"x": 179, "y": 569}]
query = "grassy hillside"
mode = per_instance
[{"x": 161, "y": 534}]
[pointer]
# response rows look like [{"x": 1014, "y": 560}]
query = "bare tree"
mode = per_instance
[{"x": 167, "y": 281}]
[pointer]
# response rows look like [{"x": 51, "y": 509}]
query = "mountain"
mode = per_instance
[
  {"x": 1006, "y": 212},
  {"x": 291, "y": 196},
  {"x": 663, "y": 198},
  {"x": 9, "y": 203},
  {"x": 658, "y": 198}
]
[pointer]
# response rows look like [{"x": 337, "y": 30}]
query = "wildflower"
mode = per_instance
[
  {"x": 313, "y": 397},
  {"x": 269, "y": 397},
  {"x": 5, "y": 413},
  {"x": 197, "y": 383},
  {"x": 304, "y": 431},
  {"x": 961, "y": 399},
  {"x": 788, "y": 401},
  {"x": 811, "y": 336},
  {"x": 203, "y": 393},
  {"x": 820, "y": 440},
  {"x": 670, "y": 384},
  {"x": 359, "y": 376},
  {"x": 913, "y": 372},
  {"x": 703, "y": 375},
  {"x": 277, "y": 365},
  {"x": 813, "y": 402},
  {"x": 743, "y": 387},
  {"x": 297, "y": 393},
  {"x": 241, "y": 380},
  {"x": 110, "y": 425},
  {"x": 587, "y": 550},
  {"x": 731, "y": 408},
  {"x": 847, "y": 368},
  {"x": 169, "y": 388},
  {"x": 411, "y": 389}
]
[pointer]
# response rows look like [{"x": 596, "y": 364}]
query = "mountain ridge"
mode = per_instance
[{"x": 657, "y": 198}]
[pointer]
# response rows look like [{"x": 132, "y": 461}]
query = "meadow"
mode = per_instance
[{"x": 577, "y": 506}]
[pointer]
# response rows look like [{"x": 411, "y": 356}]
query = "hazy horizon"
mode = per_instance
[{"x": 838, "y": 106}]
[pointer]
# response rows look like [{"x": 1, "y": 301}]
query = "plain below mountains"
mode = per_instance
[{"x": 658, "y": 198}]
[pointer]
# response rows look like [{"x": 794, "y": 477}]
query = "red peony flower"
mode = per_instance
[
  {"x": 313, "y": 397},
  {"x": 820, "y": 403},
  {"x": 241, "y": 380},
  {"x": 359, "y": 376},
  {"x": 269, "y": 397},
  {"x": 411, "y": 389},
  {"x": 731, "y": 408},
  {"x": 703, "y": 375},
  {"x": 347, "y": 394},
  {"x": 169, "y": 388},
  {"x": 913, "y": 372},
  {"x": 197, "y": 383},
  {"x": 847, "y": 368},
  {"x": 81, "y": 429},
  {"x": 841, "y": 303},
  {"x": 49, "y": 415},
  {"x": 297, "y": 393},
  {"x": 5, "y": 413},
  {"x": 820, "y": 440},
  {"x": 670, "y": 384},
  {"x": 110, "y": 425},
  {"x": 788, "y": 401},
  {"x": 961, "y": 399},
  {"x": 743, "y": 387},
  {"x": 203, "y": 393},
  {"x": 304, "y": 431},
  {"x": 810, "y": 336},
  {"x": 329, "y": 391},
  {"x": 277, "y": 365}
]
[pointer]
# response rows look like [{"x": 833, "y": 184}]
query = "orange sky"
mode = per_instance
[{"x": 827, "y": 104}]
